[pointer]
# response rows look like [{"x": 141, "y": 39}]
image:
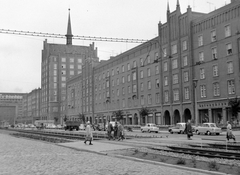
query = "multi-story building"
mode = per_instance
[
  {"x": 59, "y": 63},
  {"x": 33, "y": 105},
  {"x": 190, "y": 71},
  {"x": 11, "y": 107},
  {"x": 216, "y": 62}
]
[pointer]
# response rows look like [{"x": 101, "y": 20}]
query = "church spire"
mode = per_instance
[
  {"x": 69, "y": 31},
  {"x": 168, "y": 9}
]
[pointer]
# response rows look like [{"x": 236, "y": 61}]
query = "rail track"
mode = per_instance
[
  {"x": 202, "y": 152},
  {"x": 227, "y": 146}
]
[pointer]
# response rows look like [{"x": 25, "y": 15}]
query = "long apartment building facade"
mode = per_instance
[{"x": 190, "y": 71}]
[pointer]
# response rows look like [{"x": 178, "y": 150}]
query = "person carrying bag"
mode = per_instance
[{"x": 89, "y": 135}]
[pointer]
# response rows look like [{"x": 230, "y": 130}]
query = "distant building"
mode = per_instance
[
  {"x": 11, "y": 107},
  {"x": 60, "y": 62}
]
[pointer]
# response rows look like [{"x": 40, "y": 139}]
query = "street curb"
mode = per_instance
[{"x": 169, "y": 165}]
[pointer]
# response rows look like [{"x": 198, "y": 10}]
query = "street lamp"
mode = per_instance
[{"x": 195, "y": 100}]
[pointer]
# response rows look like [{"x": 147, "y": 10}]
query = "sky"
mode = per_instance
[{"x": 20, "y": 56}]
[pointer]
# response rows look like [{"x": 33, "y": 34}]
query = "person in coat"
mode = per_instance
[
  {"x": 229, "y": 132},
  {"x": 115, "y": 131},
  {"x": 188, "y": 130},
  {"x": 89, "y": 135},
  {"x": 109, "y": 130},
  {"x": 120, "y": 131}
]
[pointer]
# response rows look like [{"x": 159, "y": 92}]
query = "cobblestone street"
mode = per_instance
[{"x": 23, "y": 156}]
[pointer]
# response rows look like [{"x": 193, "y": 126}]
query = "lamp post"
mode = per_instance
[{"x": 195, "y": 100}]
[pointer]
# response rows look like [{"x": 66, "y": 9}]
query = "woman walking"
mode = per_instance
[
  {"x": 120, "y": 131},
  {"x": 188, "y": 130},
  {"x": 115, "y": 131},
  {"x": 89, "y": 135},
  {"x": 229, "y": 132}
]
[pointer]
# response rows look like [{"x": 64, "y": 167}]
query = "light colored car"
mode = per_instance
[
  {"x": 31, "y": 126},
  {"x": 208, "y": 128},
  {"x": 82, "y": 127},
  {"x": 50, "y": 126},
  {"x": 179, "y": 128},
  {"x": 150, "y": 127},
  {"x": 59, "y": 127}
]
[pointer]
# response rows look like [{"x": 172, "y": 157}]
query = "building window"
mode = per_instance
[
  {"x": 141, "y": 61},
  {"x": 71, "y": 66},
  {"x": 227, "y": 31},
  {"x": 231, "y": 87},
  {"x": 166, "y": 96},
  {"x": 123, "y": 103},
  {"x": 123, "y": 68},
  {"x": 156, "y": 69},
  {"x": 112, "y": 72},
  {"x": 175, "y": 79},
  {"x": 156, "y": 56},
  {"x": 202, "y": 73},
  {"x": 63, "y": 72},
  {"x": 128, "y": 78},
  {"x": 63, "y": 66},
  {"x": 117, "y": 92},
  {"x": 184, "y": 45},
  {"x": 123, "y": 79},
  {"x": 214, "y": 53},
  {"x": 186, "y": 76},
  {"x": 117, "y": 81},
  {"x": 174, "y": 48},
  {"x": 55, "y": 72},
  {"x": 216, "y": 89},
  {"x": 141, "y": 74},
  {"x": 200, "y": 40},
  {"x": 229, "y": 49},
  {"x": 157, "y": 83},
  {"x": 230, "y": 67},
  {"x": 165, "y": 66},
  {"x": 185, "y": 61},
  {"x": 134, "y": 88},
  {"x": 164, "y": 52},
  {"x": 174, "y": 64},
  {"x": 63, "y": 78},
  {"x": 71, "y": 72},
  {"x": 141, "y": 87},
  {"x": 134, "y": 74},
  {"x": 157, "y": 98},
  {"x": 142, "y": 100},
  {"x": 203, "y": 91},
  {"x": 113, "y": 83},
  {"x": 128, "y": 66},
  {"x": 165, "y": 81},
  {"x": 149, "y": 99},
  {"x": 134, "y": 64},
  {"x": 175, "y": 95},
  {"x": 117, "y": 70},
  {"x": 71, "y": 60},
  {"x": 63, "y": 59},
  {"x": 79, "y": 66},
  {"x": 123, "y": 91},
  {"x": 201, "y": 56},
  {"x": 213, "y": 36},
  {"x": 186, "y": 93},
  {"x": 149, "y": 85},
  {"x": 148, "y": 59},
  {"x": 149, "y": 72},
  {"x": 108, "y": 74},
  {"x": 129, "y": 89},
  {"x": 215, "y": 70},
  {"x": 79, "y": 60}
]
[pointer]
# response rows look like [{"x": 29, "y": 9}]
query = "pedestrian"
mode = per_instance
[
  {"x": 188, "y": 130},
  {"x": 120, "y": 131},
  {"x": 115, "y": 131},
  {"x": 89, "y": 135},
  {"x": 229, "y": 132},
  {"x": 109, "y": 130}
]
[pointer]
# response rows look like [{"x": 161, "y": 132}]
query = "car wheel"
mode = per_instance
[
  {"x": 142, "y": 131},
  {"x": 217, "y": 134},
  {"x": 156, "y": 131},
  {"x": 198, "y": 133},
  {"x": 171, "y": 132},
  {"x": 208, "y": 133},
  {"x": 149, "y": 131}
]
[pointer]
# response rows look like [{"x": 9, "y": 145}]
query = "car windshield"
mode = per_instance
[
  {"x": 179, "y": 125},
  {"x": 213, "y": 125}
]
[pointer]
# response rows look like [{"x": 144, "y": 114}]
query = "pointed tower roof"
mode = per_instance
[
  {"x": 177, "y": 2},
  {"x": 69, "y": 31},
  {"x": 168, "y": 9}
]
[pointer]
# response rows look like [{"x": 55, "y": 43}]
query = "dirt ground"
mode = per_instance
[{"x": 213, "y": 166}]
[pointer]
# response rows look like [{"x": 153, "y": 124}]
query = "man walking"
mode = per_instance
[
  {"x": 89, "y": 135},
  {"x": 229, "y": 132},
  {"x": 188, "y": 130},
  {"x": 109, "y": 130},
  {"x": 120, "y": 131}
]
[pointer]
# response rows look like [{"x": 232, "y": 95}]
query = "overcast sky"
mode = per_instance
[{"x": 20, "y": 56}]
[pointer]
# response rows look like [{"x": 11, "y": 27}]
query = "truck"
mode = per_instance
[{"x": 70, "y": 125}]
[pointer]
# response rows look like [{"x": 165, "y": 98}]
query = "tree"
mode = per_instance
[
  {"x": 118, "y": 114},
  {"x": 82, "y": 117},
  {"x": 143, "y": 112},
  {"x": 235, "y": 107}
]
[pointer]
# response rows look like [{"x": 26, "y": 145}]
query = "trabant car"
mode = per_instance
[
  {"x": 150, "y": 127},
  {"x": 208, "y": 128},
  {"x": 179, "y": 128}
]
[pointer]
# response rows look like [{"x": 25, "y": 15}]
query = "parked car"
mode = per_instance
[
  {"x": 208, "y": 128},
  {"x": 150, "y": 127},
  {"x": 50, "y": 126},
  {"x": 59, "y": 127},
  {"x": 179, "y": 128},
  {"x": 82, "y": 127},
  {"x": 31, "y": 126}
]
